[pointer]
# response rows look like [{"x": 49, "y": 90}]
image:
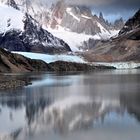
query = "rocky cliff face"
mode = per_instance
[
  {"x": 80, "y": 19},
  {"x": 77, "y": 19},
  {"x": 132, "y": 24},
  {"x": 125, "y": 47},
  {"x": 23, "y": 33}
]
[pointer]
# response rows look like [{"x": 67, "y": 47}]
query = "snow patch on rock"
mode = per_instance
[{"x": 68, "y": 10}]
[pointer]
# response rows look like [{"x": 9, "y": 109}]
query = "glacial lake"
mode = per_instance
[{"x": 102, "y": 105}]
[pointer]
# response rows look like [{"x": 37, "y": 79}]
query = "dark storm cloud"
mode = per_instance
[
  {"x": 118, "y": 8},
  {"x": 104, "y": 3},
  {"x": 89, "y": 2},
  {"x": 111, "y": 8},
  {"x": 126, "y": 4}
]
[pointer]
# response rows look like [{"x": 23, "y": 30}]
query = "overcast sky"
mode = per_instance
[
  {"x": 118, "y": 8},
  {"x": 111, "y": 9}
]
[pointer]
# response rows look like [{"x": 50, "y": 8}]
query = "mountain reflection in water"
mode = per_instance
[{"x": 99, "y": 105}]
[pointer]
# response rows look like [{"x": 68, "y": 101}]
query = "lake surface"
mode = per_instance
[{"x": 101, "y": 105}]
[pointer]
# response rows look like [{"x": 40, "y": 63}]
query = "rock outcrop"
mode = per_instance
[
  {"x": 132, "y": 24},
  {"x": 77, "y": 19}
]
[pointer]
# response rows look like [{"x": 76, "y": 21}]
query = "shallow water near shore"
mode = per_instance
[{"x": 103, "y": 105}]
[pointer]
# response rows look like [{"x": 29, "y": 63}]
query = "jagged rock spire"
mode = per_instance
[
  {"x": 131, "y": 24},
  {"x": 101, "y": 17}
]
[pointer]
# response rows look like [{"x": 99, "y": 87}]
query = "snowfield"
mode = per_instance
[
  {"x": 52, "y": 58},
  {"x": 10, "y": 19},
  {"x": 75, "y": 40}
]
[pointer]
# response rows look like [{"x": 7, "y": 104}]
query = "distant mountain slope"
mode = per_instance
[
  {"x": 125, "y": 47},
  {"x": 20, "y": 32}
]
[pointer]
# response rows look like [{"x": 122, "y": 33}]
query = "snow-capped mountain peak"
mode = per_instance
[
  {"x": 73, "y": 24},
  {"x": 21, "y": 32}
]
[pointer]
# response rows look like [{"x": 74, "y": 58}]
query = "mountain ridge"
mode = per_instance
[
  {"x": 26, "y": 33},
  {"x": 57, "y": 15},
  {"x": 124, "y": 47}
]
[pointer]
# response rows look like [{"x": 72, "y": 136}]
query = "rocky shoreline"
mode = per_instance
[{"x": 12, "y": 82}]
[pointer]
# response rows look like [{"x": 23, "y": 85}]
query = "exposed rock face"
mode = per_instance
[
  {"x": 57, "y": 11},
  {"x": 80, "y": 19},
  {"x": 77, "y": 19},
  {"x": 125, "y": 47},
  {"x": 90, "y": 44},
  {"x": 132, "y": 24}
]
